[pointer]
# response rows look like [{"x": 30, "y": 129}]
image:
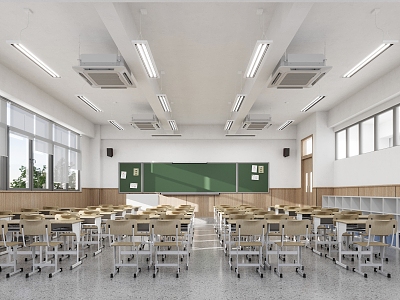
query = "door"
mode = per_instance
[{"x": 307, "y": 181}]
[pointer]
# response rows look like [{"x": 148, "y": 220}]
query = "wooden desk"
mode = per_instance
[{"x": 343, "y": 226}]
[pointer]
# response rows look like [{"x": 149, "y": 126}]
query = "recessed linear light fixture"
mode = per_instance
[
  {"x": 172, "y": 124},
  {"x": 21, "y": 48},
  {"x": 238, "y": 102},
  {"x": 228, "y": 124},
  {"x": 312, "y": 103},
  {"x": 89, "y": 103},
  {"x": 115, "y": 124},
  {"x": 286, "y": 124},
  {"x": 142, "y": 46},
  {"x": 378, "y": 51},
  {"x": 256, "y": 58},
  {"x": 164, "y": 102}
]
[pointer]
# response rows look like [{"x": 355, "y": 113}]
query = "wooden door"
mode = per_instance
[{"x": 307, "y": 181}]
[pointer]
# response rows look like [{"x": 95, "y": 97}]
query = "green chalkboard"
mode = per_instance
[
  {"x": 253, "y": 178},
  {"x": 191, "y": 178},
  {"x": 130, "y": 175}
]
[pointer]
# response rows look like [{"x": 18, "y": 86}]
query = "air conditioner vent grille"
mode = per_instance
[
  {"x": 106, "y": 79},
  {"x": 297, "y": 79}
]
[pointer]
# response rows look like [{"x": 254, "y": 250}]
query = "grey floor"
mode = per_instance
[{"x": 208, "y": 277}]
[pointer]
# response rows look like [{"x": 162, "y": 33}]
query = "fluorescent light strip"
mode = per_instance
[
  {"x": 147, "y": 58},
  {"x": 164, "y": 102},
  {"x": 256, "y": 59},
  {"x": 312, "y": 103},
  {"x": 286, "y": 124},
  {"x": 378, "y": 51},
  {"x": 238, "y": 102},
  {"x": 89, "y": 103},
  {"x": 114, "y": 123},
  {"x": 172, "y": 124},
  {"x": 228, "y": 124},
  {"x": 21, "y": 48}
]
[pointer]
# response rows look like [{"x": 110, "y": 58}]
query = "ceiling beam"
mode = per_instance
[
  {"x": 118, "y": 19},
  {"x": 285, "y": 23}
]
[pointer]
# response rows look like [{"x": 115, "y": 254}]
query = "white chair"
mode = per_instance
[{"x": 11, "y": 251}]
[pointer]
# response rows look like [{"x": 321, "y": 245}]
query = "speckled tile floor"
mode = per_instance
[{"x": 208, "y": 277}]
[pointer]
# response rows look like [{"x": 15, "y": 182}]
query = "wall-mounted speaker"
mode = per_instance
[
  {"x": 286, "y": 152},
  {"x": 110, "y": 152}
]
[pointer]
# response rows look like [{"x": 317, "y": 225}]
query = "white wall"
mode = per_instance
[
  {"x": 282, "y": 173},
  {"x": 375, "y": 168},
  {"x": 91, "y": 166}
]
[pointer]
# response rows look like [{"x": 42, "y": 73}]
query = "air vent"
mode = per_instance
[
  {"x": 145, "y": 122},
  {"x": 106, "y": 71},
  {"x": 256, "y": 121},
  {"x": 297, "y": 71}
]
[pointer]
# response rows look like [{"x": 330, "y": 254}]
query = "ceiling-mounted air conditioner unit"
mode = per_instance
[
  {"x": 106, "y": 71},
  {"x": 256, "y": 121},
  {"x": 297, "y": 71},
  {"x": 145, "y": 122}
]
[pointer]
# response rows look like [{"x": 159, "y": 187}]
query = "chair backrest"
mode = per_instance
[
  {"x": 276, "y": 217},
  {"x": 31, "y": 217},
  {"x": 66, "y": 216},
  {"x": 106, "y": 205},
  {"x": 172, "y": 217},
  {"x": 5, "y": 212},
  {"x": 349, "y": 212},
  {"x": 250, "y": 227},
  {"x": 380, "y": 217},
  {"x": 50, "y": 207},
  {"x": 165, "y": 227},
  {"x": 89, "y": 212},
  {"x": 295, "y": 227},
  {"x": 241, "y": 217},
  {"x": 35, "y": 227},
  {"x": 305, "y": 210},
  {"x": 345, "y": 217},
  {"x": 25, "y": 209},
  {"x": 321, "y": 212},
  {"x": 381, "y": 227},
  {"x": 58, "y": 212},
  {"x": 93, "y": 207},
  {"x": 136, "y": 217},
  {"x": 106, "y": 209},
  {"x": 121, "y": 227}
]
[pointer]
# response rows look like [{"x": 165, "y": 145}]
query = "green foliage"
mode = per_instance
[{"x": 39, "y": 178}]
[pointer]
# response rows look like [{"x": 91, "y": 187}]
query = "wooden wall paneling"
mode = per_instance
[
  {"x": 290, "y": 196},
  {"x": 379, "y": 191},
  {"x": 112, "y": 196},
  {"x": 258, "y": 200},
  {"x": 229, "y": 199},
  {"x": 398, "y": 191},
  {"x": 346, "y": 191},
  {"x": 172, "y": 200},
  {"x": 204, "y": 205}
]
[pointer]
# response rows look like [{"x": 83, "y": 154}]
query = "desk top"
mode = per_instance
[
  {"x": 358, "y": 221},
  {"x": 323, "y": 216}
]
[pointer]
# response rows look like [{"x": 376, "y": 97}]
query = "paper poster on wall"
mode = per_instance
[
  {"x": 133, "y": 185},
  {"x": 261, "y": 169},
  {"x": 123, "y": 175},
  {"x": 135, "y": 171},
  {"x": 255, "y": 177},
  {"x": 254, "y": 168}
]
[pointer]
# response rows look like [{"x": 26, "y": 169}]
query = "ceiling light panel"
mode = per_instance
[
  {"x": 89, "y": 103},
  {"x": 115, "y": 124},
  {"x": 257, "y": 57},
  {"x": 228, "y": 124},
  {"x": 238, "y": 102},
  {"x": 21, "y": 48},
  {"x": 286, "y": 124},
  {"x": 143, "y": 49},
  {"x": 378, "y": 51},
  {"x": 173, "y": 125},
  {"x": 312, "y": 103},
  {"x": 164, "y": 102}
]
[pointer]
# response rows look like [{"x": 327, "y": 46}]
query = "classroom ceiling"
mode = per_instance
[{"x": 201, "y": 49}]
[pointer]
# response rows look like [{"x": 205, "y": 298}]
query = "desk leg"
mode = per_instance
[
  {"x": 341, "y": 229},
  {"x": 76, "y": 228},
  {"x": 316, "y": 223},
  {"x": 99, "y": 237}
]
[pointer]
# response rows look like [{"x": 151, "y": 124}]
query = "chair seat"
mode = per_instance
[
  {"x": 168, "y": 244},
  {"x": 293, "y": 244},
  {"x": 12, "y": 244},
  {"x": 274, "y": 234},
  {"x": 51, "y": 244},
  {"x": 366, "y": 244},
  {"x": 129, "y": 244},
  {"x": 72, "y": 234},
  {"x": 89, "y": 226},
  {"x": 249, "y": 244}
]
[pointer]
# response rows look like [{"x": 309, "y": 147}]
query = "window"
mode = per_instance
[
  {"x": 341, "y": 144},
  {"x": 36, "y": 153},
  {"x": 385, "y": 129},
  {"x": 367, "y": 136},
  {"x": 353, "y": 140},
  {"x": 19, "y": 161},
  {"x": 307, "y": 144}
]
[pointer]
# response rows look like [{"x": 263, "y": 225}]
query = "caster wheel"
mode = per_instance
[
  {"x": 374, "y": 269},
  {"x": 154, "y": 275},
  {"x": 238, "y": 275},
  {"x": 321, "y": 254},
  {"x": 177, "y": 275},
  {"x": 111, "y": 275},
  {"x": 181, "y": 258},
  {"x": 129, "y": 259},
  {"x": 26, "y": 275},
  {"x": 50, "y": 275},
  {"x": 40, "y": 270},
  {"x": 365, "y": 275},
  {"x": 274, "y": 269},
  {"x": 140, "y": 269},
  {"x": 134, "y": 275},
  {"x": 389, "y": 276},
  {"x": 386, "y": 259},
  {"x": 187, "y": 267},
  {"x": 7, "y": 275},
  {"x": 262, "y": 275},
  {"x": 334, "y": 260},
  {"x": 302, "y": 267},
  {"x": 304, "y": 275},
  {"x": 280, "y": 276},
  {"x": 297, "y": 269}
]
